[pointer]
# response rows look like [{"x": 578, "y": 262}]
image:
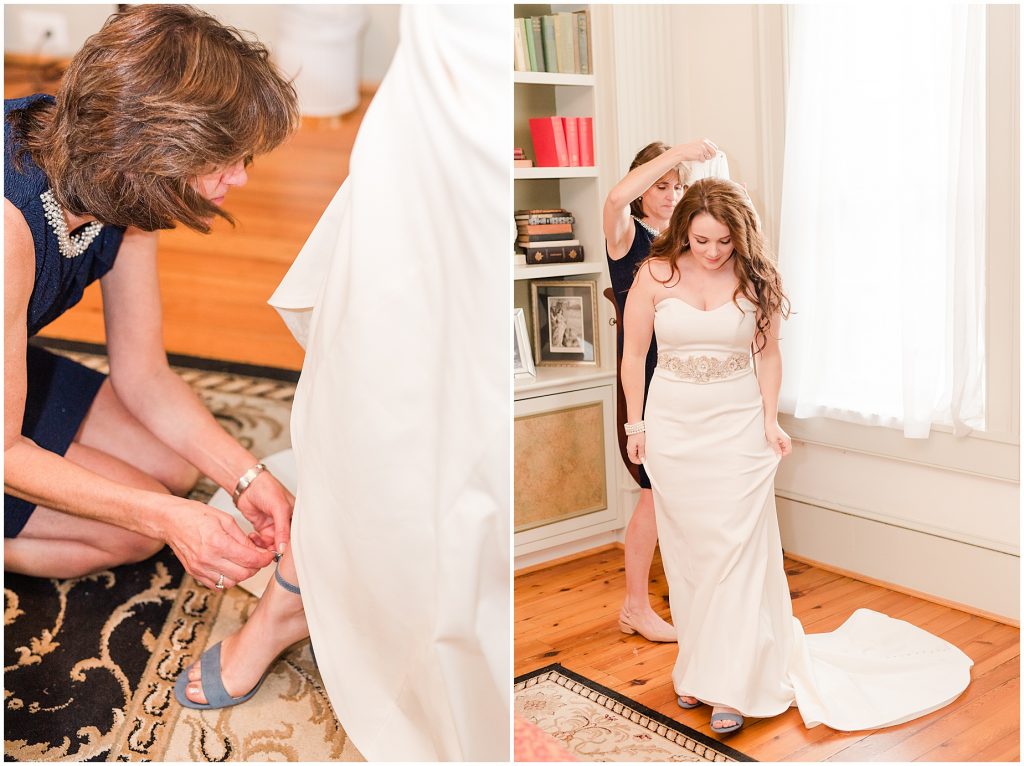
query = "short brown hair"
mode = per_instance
[
  {"x": 645, "y": 155},
  {"x": 160, "y": 95}
]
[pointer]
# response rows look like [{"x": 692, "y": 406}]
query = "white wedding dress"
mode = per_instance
[
  {"x": 401, "y": 423},
  {"x": 712, "y": 473}
]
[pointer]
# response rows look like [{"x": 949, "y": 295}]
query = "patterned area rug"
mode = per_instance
[
  {"x": 90, "y": 663},
  {"x": 595, "y": 723}
]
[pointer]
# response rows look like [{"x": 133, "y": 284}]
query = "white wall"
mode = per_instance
[
  {"x": 939, "y": 516},
  {"x": 379, "y": 41}
]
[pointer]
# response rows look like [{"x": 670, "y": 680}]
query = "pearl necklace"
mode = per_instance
[
  {"x": 647, "y": 227},
  {"x": 70, "y": 246}
]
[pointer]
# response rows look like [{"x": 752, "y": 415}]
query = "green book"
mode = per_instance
[
  {"x": 538, "y": 43},
  {"x": 522, "y": 65},
  {"x": 528, "y": 36},
  {"x": 565, "y": 35},
  {"x": 550, "y": 48},
  {"x": 583, "y": 24}
]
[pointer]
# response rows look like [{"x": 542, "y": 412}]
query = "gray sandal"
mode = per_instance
[
  {"x": 213, "y": 686},
  {"x": 726, "y": 717}
]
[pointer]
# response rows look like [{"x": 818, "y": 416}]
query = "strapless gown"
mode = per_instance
[{"x": 712, "y": 473}]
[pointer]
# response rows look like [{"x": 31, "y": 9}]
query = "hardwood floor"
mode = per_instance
[
  {"x": 215, "y": 287},
  {"x": 568, "y": 614}
]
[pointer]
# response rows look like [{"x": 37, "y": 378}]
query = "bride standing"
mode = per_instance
[{"x": 711, "y": 444}]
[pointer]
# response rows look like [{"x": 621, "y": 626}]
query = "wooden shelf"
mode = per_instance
[
  {"x": 526, "y": 174},
  {"x": 551, "y": 380},
  {"x": 558, "y": 270},
  {"x": 553, "y": 78}
]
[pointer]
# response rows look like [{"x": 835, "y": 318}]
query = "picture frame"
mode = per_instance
[
  {"x": 565, "y": 328},
  {"x": 522, "y": 355}
]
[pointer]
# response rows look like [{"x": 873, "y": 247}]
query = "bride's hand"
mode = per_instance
[
  {"x": 779, "y": 440},
  {"x": 636, "y": 447}
]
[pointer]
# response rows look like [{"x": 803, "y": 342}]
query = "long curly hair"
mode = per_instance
[
  {"x": 759, "y": 279},
  {"x": 160, "y": 95}
]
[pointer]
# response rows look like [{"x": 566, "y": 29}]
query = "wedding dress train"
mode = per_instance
[{"x": 712, "y": 473}]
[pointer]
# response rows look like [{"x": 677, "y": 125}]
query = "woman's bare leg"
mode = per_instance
[
  {"x": 110, "y": 428},
  {"x": 56, "y": 544},
  {"x": 641, "y": 540},
  {"x": 111, "y": 443},
  {"x": 277, "y": 622}
]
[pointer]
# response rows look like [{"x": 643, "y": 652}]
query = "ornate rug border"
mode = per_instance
[
  {"x": 205, "y": 364},
  {"x": 613, "y": 698}
]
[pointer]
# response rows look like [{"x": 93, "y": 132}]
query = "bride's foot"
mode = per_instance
[
  {"x": 647, "y": 623},
  {"x": 277, "y": 622},
  {"x": 686, "y": 701},
  {"x": 725, "y": 719}
]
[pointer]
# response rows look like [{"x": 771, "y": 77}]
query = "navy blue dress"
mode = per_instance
[
  {"x": 622, "y": 272},
  {"x": 59, "y": 392}
]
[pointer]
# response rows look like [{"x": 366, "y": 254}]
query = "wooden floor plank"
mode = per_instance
[{"x": 583, "y": 636}]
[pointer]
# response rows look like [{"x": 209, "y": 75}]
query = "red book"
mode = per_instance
[
  {"x": 572, "y": 140},
  {"x": 586, "y": 132},
  {"x": 549, "y": 147}
]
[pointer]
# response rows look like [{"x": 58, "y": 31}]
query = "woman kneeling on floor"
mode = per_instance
[{"x": 156, "y": 120}]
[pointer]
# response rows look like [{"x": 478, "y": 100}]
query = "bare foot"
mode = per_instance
[
  {"x": 689, "y": 700},
  {"x": 277, "y": 622},
  {"x": 727, "y": 722}
]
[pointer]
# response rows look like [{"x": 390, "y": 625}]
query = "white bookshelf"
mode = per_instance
[
  {"x": 527, "y": 174},
  {"x": 553, "y": 78},
  {"x": 550, "y": 270},
  {"x": 560, "y": 389},
  {"x": 553, "y": 380}
]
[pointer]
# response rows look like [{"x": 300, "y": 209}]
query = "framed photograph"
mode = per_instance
[
  {"x": 565, "y": 323},
  {"x": 522, "y": 356}
]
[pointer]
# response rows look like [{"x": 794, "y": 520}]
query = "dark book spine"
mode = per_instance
[{"x": 541, "y": 255}]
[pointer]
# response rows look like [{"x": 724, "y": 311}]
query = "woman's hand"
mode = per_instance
[
  {"x": 268, "y": 507},
  {"x": 209, "y": 543},
  {"x": 698, "y": 151},
  {"x": 636, "y": 447},
  {"x": 779, "y": 440}
]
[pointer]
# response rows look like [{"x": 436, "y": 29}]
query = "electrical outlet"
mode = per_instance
[{"x": 43, "y": 32}]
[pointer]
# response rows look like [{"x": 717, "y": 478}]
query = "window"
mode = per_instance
[{"x": 882, "y": 240}]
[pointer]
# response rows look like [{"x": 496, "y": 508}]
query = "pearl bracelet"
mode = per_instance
[
  {"x": 634, "y": 428},
  {"x": 247, "y": 478}
]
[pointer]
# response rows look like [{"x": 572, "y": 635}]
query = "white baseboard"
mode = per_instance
[
  {"x": 563, "y": 550},
  {"x": 980, "y": 578}
]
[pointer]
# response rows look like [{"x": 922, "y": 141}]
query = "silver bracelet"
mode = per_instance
[
  {"x": 634, "y": 428},
  {"x": 247, "y": 478}
]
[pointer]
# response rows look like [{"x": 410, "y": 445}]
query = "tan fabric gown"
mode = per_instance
[{"x": 712, "y": 473}]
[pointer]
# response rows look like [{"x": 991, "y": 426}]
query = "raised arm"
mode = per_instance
[
  {"x": 618, "y": 229},
  {"x": 637, "y": 331}
]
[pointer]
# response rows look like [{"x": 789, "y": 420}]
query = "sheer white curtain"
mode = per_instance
[{"x": 882, "y": 238}]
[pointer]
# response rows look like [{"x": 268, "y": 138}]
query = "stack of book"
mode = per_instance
[
  {"x": 556, "y": 43},
  {"x": 520, "y": 159},
  {"x": 546, "y": 236},
  {"x": 563, "y": 142}
]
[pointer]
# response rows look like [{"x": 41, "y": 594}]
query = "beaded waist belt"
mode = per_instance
[{"x": 703, "y": 369}]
